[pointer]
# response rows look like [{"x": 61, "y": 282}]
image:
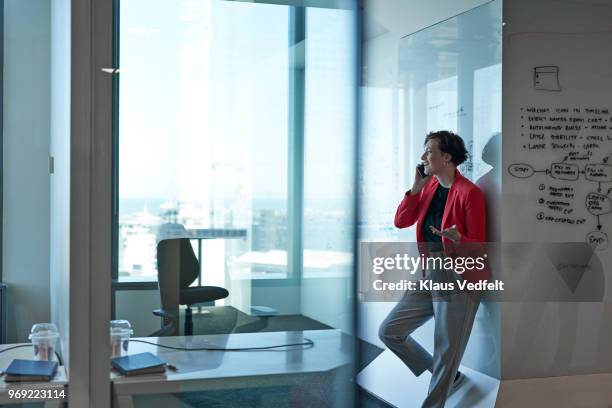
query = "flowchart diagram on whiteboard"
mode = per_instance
[{"x": 578, "y": 133}]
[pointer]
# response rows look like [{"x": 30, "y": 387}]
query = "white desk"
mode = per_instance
[
  {"x": 208, "y": 370},
  {"x": 55, "y": 386}
]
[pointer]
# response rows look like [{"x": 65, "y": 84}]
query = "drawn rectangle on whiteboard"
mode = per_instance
[
  {"x": 598, "y": 172},
  {"x": 546, "y": 78},
  {"x": 564, "y": 171}
]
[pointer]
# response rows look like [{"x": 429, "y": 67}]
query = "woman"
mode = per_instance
[{"x": 448, "y": 209}]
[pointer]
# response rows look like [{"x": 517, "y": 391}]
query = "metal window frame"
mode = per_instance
[
  {"x": 1, "y": 136},
  {"x": 295, "y": 156}
]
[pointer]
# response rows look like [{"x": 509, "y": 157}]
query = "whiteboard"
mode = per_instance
[{"x": 557, "y": 183}]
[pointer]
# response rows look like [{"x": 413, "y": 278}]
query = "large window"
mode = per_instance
[
  {"x": 236, "y": 128},
  {"x": 203, "y": 123}
]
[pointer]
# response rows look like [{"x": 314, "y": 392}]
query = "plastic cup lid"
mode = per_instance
[
  {"x": 44, "y": 331},
  {"x": 121, "y": 327}
]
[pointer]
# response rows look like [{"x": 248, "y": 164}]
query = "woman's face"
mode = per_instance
[{"x": 434, "y": 159}]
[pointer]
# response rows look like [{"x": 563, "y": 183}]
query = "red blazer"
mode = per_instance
[{"x": 465, "y": 208}]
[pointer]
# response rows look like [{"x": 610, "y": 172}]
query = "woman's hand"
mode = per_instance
[
  {"x": 419, "y": 182},
  {"x": 450, "y": 233}
]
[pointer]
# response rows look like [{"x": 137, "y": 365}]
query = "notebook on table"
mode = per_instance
[
  {"x": 30, "y": 370},
  {"x": 137, "y": 364}
]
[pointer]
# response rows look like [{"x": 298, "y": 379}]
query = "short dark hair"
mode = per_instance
[{"x": 450, "y": 143}]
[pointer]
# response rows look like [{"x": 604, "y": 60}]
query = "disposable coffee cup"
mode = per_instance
[
  {"x": 120, "y": 332},
  {"x": 44, "y": 339}
]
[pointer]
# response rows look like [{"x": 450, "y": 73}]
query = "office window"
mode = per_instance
[
  {"x": 329, "y": 141},
  {"x": 203, "y": 124},
  {"x": 329, "y": 166}
]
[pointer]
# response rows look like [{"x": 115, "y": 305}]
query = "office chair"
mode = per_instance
[{"x": 178, "y": 268}]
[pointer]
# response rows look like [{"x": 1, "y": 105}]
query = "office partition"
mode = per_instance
[
  {"x": 235, "y": 129},
  {"x": 447, "y": 76}
]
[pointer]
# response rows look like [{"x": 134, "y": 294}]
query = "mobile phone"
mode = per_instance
[{"x": 421, "y": 170}]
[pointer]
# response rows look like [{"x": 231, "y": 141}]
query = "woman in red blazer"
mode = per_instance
[
  {"x": 463, "y": 219},
  {"x": 449, "y": 210}
]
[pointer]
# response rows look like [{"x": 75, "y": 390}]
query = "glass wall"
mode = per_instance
[
  {"x": 448, "y": 77},
  {"x": 236, "y": 136}
]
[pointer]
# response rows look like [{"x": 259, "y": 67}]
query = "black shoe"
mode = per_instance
[{"x": 459, "y": 379}]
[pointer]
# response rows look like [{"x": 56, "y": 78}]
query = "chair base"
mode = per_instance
[{"x": 188, "y": 321}]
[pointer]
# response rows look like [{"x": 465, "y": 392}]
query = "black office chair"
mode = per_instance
[{"x": 178, "y": 268}]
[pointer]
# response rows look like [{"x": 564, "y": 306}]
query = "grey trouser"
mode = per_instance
[{"x": 454, "y": 316}]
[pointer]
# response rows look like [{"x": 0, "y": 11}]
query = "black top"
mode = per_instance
[{"x": 434, "y": 214}]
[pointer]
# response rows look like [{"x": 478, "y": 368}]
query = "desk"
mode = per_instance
[
  {"x": 215, "y": 233},
  {"x": 214, "y": 370},
  {"x": 59, "y": 382}
]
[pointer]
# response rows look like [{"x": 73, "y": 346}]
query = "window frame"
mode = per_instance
[{"x": 1, "y": 139}]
